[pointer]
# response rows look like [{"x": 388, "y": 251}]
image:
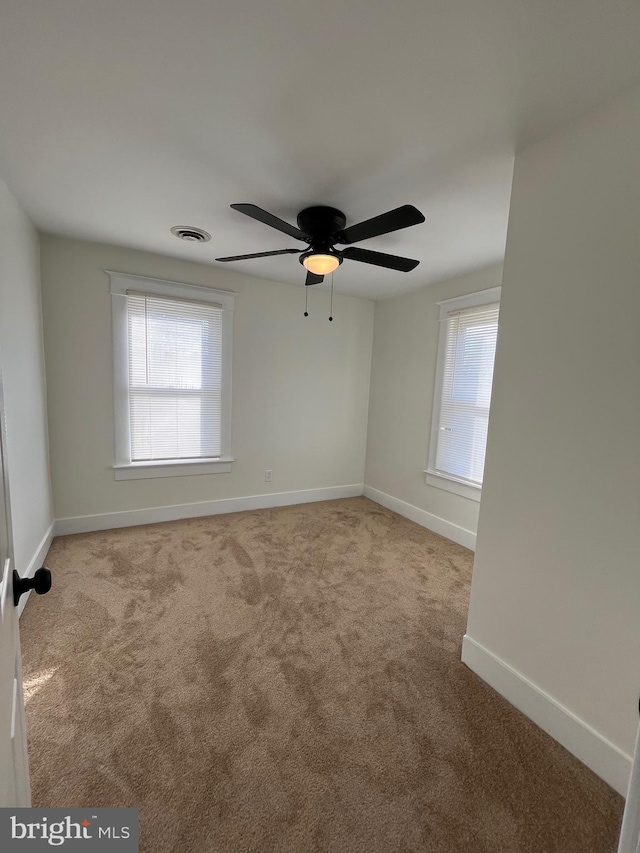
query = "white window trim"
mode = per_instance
[
  {"x": 433, "y": 477},
  {"x": 450, "y": 484},
  {"x": 124, "y": 468}
]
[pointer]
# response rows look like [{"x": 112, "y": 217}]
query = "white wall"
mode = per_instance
[
  {"x": 556, "y": 584},
  {"x": 300, "y": 385},
  {"x": 21, "y": 362},
  {"x": 403, "y": 369}
]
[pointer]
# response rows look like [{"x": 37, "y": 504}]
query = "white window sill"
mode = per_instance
[
  {"x": 457, "y": 487},
  {"x": 171, "y": 468}
]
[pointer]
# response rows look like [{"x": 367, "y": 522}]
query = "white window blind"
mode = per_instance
[
  {"x": 469, "y": 354},
  {"x": 175, "y": 378}
]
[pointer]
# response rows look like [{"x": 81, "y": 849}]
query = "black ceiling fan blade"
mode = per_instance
[
  {"x": 312, "y": 278},
  {"x": 380, "y": 259},
  {"x": 392, "y": 220},
  {"x": 261, "y": 215},
  {"x": 260, "y": 255}
]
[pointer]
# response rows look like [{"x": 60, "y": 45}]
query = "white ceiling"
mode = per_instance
[{"x": 123, "y": 118}]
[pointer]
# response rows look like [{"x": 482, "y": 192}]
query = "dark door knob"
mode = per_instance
[{"x": 41, "y": 582}]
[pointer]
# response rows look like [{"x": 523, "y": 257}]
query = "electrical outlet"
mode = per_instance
[{"x": 268, "y": 475}]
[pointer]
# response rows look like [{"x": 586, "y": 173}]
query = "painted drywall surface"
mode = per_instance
[
  {"x": 403, "y": 370},
  {"x": 300, "y": 385},
  {"x": 22, "y": 364},
  {"x": 556, "y": 584}
]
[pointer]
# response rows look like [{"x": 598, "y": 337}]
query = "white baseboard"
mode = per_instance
[
  {"x": 588, "y": 745},
  {"x": 131, "y": 518},
  {"x": 432, "y": 522},
  {"x": 36, "y": 561}
]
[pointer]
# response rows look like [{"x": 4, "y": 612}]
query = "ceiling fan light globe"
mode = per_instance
[{"x": 321, "y": 264}]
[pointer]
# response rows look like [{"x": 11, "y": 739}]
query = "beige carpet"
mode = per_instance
[{"x": 289, "y": 680}]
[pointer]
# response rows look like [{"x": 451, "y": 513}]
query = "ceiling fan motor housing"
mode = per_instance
[{"x": 321, "y": 223}]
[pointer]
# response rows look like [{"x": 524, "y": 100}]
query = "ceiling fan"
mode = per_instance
[{"x": 321, "y": 228}]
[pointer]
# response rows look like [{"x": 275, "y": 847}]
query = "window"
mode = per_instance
[
  {"x": 172, "y": 378},
  {"x": 464, "y": 376}
]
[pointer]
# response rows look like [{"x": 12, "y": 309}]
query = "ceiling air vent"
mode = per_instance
[{"x": 191, "y": 235}]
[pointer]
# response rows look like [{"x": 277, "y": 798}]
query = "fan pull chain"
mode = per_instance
[
  {"x": 331, "y": 306},
  {"x": 306, "y": 300}
]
